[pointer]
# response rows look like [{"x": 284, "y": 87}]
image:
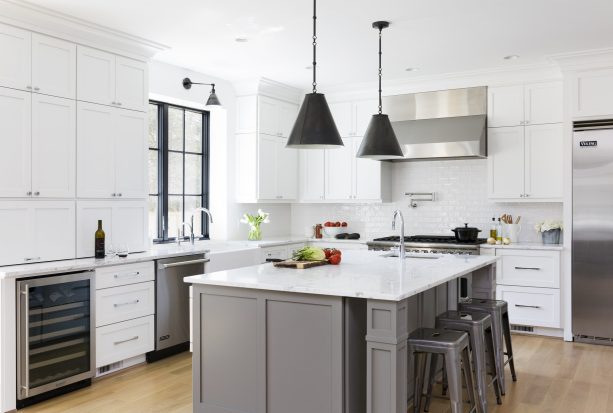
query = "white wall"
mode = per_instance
[
  {"x": 461, "y": 191},
  {"x": 165, "y": 84}
]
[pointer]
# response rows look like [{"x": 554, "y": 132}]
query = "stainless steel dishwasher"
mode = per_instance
[{"x": 172, "y": 303}]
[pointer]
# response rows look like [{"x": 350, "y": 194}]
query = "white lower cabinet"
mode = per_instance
[
  {"x": 119, "y": 275},
  {"x": 130, "y": 301},
  {"x": 121, "y": 341},
  {"x": 124, "y": 223},
  {"x": 529, "y": 268},
  {"x": 35, "y": 231},
  {"x": 529, "y": 306}
]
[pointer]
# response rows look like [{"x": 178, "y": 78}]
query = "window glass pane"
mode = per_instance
[
  {"x": 153, "y": 217},
  {"x": 191, "y": 203},
  {"x": 175, "y": 173},
  {"x": 193, "y": 131},
  {"x": 153, "y": 126},
  {"x": 175, "y": 216},
  {"x": 153, "y": 172},
  {"x": 175, "y": 129},
  {"x": 193, "y": 174}
]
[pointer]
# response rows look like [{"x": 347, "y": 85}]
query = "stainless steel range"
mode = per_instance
[{"x": 428, "y": 244}]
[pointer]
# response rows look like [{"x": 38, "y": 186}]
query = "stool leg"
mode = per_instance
[
  {"x": 489, "y": 339},
  {"x": 431, "y": 376},
  {"x": 454, "y": 379},
  {"x": 507, "y": 338},
  {"x": 478, "y": 355},
  {"x": 420, "y": 371},
  {"x": 497, "y": 329},
  {"x": 467, "y": 367}
]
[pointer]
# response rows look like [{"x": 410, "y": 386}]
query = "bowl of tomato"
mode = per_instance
[{"x": 333, "y": 228}]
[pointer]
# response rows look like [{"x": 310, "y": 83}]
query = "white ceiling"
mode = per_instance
[{"x": 437, "y": 36}]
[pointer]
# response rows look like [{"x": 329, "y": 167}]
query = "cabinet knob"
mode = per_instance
[
  {"x": 29, "y": 193},
  {"x": 36, "y": 88},
  {"x": 527, "y": 195},
  {"x": 118, "y": 103},
  {"x": 113, "y": 194},
  {"x": 119, "y": 194},
  {"x": 113, "y": 103},
  {"x": 36, "y": 193},
  {"x": 29, "y": 87}
]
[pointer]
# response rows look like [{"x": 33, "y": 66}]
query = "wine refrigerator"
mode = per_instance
[{"x": 55, "y": 345}]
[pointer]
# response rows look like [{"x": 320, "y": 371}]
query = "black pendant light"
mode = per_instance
[
  {"x": 314, "y": 127},
  {"x": 380, "y": 141},
  {"x": 213, "y": 100}
]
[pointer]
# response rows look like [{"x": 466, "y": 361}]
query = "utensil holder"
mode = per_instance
[{"x": 512, "y": 231}]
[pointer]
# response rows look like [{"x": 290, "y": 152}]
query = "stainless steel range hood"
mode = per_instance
[{"x": 446, "y": 124}]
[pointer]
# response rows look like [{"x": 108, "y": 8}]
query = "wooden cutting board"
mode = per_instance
[{"x": 300, "y": 265}]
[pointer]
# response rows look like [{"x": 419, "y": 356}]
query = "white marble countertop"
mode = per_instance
[
  {"x": 526, "y": 246},
  {"x": 362, "y": 274}
]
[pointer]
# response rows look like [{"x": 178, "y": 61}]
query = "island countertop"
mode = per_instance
[{"x": 361, "y": 274}]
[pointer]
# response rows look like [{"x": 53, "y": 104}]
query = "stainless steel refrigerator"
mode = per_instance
[{"x": 592, "y": 249}]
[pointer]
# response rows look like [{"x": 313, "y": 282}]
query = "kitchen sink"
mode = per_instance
[{"x": 421, "y": 256}]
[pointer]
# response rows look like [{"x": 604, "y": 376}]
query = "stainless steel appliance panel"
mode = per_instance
[{"x": 592, "y": 246}]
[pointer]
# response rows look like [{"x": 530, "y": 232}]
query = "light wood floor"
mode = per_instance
[{"x": 553, "y": 376}]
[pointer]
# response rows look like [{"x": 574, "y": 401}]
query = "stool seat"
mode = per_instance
[
  {"x": 437, "y": 338},
  {"x": 466, "y": 317},
  {"x": 483, "y": 303}
]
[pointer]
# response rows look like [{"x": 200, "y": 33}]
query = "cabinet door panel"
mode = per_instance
[
  {"x": 592, "y": 90},
  {"x": 95, "y": 76},
  {"x": 15, "y": 236},
  {"x": 131, "y": 88},
  {"x": 268, "y": 116},
  {"x": 367, "y": 176},
  {"x": 88, "y": 214},
  {"x": 130, "y": 225},
  {"x": 95, "y": 151},
  {"x": 343, "y": 115},
  {"x": 267, "y": 167},
  {"x": 544, "y": 165},
  {"x": 15, "y": 64},
  {"x": 505, "y": 106},
  {"x": 54, "y": 66},
  {"x": 130, "y": 154},
  {"x": 15, "y": 143},
  {"x": 54, "y": 230},
  {"x": 544, "y": 103},
  {"x": 53, "y": 146},
  {"x": 364, "y": 110},
  {"x": 339, "y": 164},
  {"x": 506, "y": 162},
  {"x": 312, "y": 175},
  {"x": 287, "y": 170},
  {"x": 287, "y": 117}
]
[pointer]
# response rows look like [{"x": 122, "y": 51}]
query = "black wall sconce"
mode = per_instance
[{"x": 213, "y": 100}]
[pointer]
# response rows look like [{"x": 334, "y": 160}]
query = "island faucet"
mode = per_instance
[
  {"x": 401, "y": 252},
  {"x": 191, "y": 231}
]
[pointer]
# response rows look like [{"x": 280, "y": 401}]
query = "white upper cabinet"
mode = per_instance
[
  {"x": 339, "y": 172},
  {"x": 54, "y": 66},
  {"x": 532, "y": 104},
  {"x": 367, "y": 176},
  {"x": 110, "y": 152},
  {"x": 276, "y": 117},
  {"x": 506, "y": 162},
  {"x": 35, "y": 231},
  {"x": 364, "y": 109},
  {"x": 287, "y": 171},
  {"x": 312, "y": 175},
  {"x": 544, "y": 161},
  {"x": 53, "y": 147},
  {"x": 591, "y": 92},
  {"x": 267, "y": 169},
  {"x": 111, "y": 80},
  {"x": 16, "y": 63},
  {"x": 131, "y": 84},
  {"x": 352, "y": 118},
  {"x": 15, "y": 143}
]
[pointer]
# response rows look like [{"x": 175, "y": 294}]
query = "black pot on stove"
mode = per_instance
[{"x": 466, "y": 233}]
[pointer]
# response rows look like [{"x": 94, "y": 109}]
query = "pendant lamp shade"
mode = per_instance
[
  {"x": 314, "y": 127},
  {"x": 213, "y": 100},
  {"x": 380, "y": 142}
]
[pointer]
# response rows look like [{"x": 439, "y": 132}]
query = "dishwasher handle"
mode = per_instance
[{"x": 182, "y": 263}]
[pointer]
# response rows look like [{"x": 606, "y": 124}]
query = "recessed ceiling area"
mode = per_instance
[{"x": 443, "y": 36}]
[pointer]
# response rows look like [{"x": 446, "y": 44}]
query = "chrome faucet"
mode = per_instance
[
  {"x": 199, "y": 209},
  {"x": 401, "y": 252},
  {"x": 191, "y": 232}
]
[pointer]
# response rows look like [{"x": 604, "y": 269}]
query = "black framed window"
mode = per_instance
[{"x": 178, "y": 170}]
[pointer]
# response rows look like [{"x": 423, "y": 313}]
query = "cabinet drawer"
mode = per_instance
[
  {"x": 117, "y": 275},
  {"x": 123, "y": 340},
  {"x": 530, "y": 268},
  {"x": 124, "y": 303},
  {"x": 528, "y": 306}
]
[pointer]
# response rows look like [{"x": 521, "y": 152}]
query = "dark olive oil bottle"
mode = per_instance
[{"x": 99, "y": 246}]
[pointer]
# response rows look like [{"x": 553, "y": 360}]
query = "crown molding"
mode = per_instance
[
  {"x": 584, "y": 59},
  {"x": 40, "y": 19},
  {"x": 268, "y": 87}
]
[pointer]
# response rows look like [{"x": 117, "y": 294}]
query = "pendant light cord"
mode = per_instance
[
  {"x": 314, "y": 46},
  {"x": 380, "y": 72}
]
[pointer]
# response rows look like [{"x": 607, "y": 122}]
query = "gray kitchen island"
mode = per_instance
[{"x": 330, "y": 339}]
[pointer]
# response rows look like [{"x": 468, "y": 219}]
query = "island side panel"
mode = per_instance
[
  {"x": 484, "y": 282},
  {"x": 355, "y": 355},
  {"x": 267, "y": 352}
]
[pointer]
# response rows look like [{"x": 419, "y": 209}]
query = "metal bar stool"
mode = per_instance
[
  {"x": 478, "y": 326},
  {"x": 501, "y": 327},
  {"x": 454, "y": 347}
]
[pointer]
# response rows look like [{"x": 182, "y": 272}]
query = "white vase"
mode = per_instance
[{"x": 511, "y": 231}]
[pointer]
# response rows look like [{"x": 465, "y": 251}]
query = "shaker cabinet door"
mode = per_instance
[
  {"x": 131, "y": 88},
  {"x": 15, "y": 236},
  {"x": 267, "y": 167},
  {"x": 506, "y": 163},
  {"x": 130, "y": 154},
  {"x": 88, "y": 214},
  {"x": 95, "y": 76},
  {"x": 53, "y": 224},
  {"x": 312, "y": 175},
  {"x": 54, "y": 66},
  {"x": 339, "y": 173},
  {"x": 544, "y": 165},
  {"x": 367, "y": 176},
  {"x": 505, "y": 106},
  {"x": 130, "y": 225},
  {"x": 287, "y": 171},
  {"x": 15, "y": 143},
  {"x": 16, "y": 63}
]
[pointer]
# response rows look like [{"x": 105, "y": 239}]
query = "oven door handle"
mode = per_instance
[
  {"x": 182, "y": 263},
  {"x": 26, "y": 346}
]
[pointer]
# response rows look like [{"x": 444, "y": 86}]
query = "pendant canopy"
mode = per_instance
[
  {"x": 380, "y": 142},
  {"x": 314, "y": 127}
]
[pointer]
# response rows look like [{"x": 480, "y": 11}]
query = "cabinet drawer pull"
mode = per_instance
[
  {"x": 125, "y": 341},
  {"x": 528, "y": 268},
  {"x": 527, "y": 306},
  {"x": 36, "y": 193},
  {"x": 131, "y": 274},
  {"x": 32, "y": 259},
  {"x": 36, "y": 88},
  {"x": 126, "y": 303}
]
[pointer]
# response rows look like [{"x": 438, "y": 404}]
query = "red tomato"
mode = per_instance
[
  {"x": 335, "y": 259},
  {"x": 337, "y": 224},
  {"x": 343, "y": 224}
]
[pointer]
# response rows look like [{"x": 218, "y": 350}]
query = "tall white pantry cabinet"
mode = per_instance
[{"x": 73, "y": 136}]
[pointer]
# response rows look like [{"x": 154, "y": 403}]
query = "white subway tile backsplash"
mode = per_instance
[{"x": 461, "y": 191}]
